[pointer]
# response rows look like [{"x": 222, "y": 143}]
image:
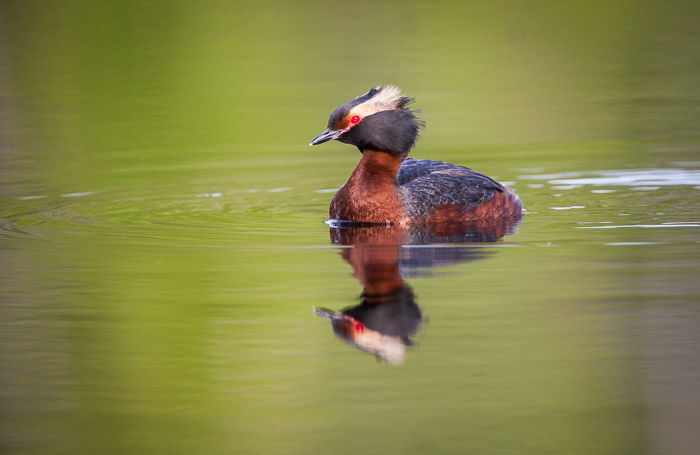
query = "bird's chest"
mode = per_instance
[{"x": 368, "y": 202}]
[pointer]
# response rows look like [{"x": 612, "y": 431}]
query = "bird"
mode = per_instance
[{"x": 389, "y": 188}]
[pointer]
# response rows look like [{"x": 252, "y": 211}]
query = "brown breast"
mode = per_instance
[{"x": 370, "y": 194}]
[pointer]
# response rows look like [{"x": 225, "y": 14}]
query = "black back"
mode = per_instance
[{"x": 427, "y": 184}]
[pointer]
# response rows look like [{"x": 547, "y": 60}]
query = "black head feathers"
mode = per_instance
[{"x": 378, "y": 120}]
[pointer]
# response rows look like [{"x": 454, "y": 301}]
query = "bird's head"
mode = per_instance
[{"x": 377, "y": 120}]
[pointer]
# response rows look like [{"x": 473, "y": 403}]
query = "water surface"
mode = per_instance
[{"x": 163, "y": 241}]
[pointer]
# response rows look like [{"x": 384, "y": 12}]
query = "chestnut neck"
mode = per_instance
[
  {"x": 375, "y": 258},
  {"x": 371, "y": 193},
  {"x": 377, "y": 167}
]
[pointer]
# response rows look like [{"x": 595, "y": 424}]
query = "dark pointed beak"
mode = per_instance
[
  {"x": 326, "y": 136},
  {"x": 328, "y": 314},
  {"x": 333, "y": 316}
]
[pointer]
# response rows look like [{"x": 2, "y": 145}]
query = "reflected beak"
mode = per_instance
[
  {"x": 326, "y": 313},
  {"x": 326, "y": 136}
]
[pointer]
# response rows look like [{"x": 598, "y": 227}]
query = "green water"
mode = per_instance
[{"x": 163, "y": 245}]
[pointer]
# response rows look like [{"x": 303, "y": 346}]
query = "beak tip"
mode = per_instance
[
  {"x": 327, "y": 135},
  {"x": 326, "y": 313}
]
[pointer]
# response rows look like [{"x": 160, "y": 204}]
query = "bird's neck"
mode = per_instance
[
  {"x": 374, "y": 257},
  {"x": 377, "y": 168},
  {"x": 371, "y": 193}
]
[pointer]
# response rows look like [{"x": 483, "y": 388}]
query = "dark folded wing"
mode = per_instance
[
  {"x": 412, "y": 169},
  {"x": 426, "y": 185}
]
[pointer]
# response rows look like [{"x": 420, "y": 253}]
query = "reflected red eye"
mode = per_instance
[
  {"x": 355, "y": 119},
  {"x": 359, "y": 327}
]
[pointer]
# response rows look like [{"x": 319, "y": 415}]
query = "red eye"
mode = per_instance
[
  {"x": 359, "y": 327},
  {"x": 355, "y": 119}
]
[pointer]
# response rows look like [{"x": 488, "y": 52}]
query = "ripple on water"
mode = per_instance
[
  {"x": 635, "y": 178},
  {"x": 632, "y": 243},
  {"x": 642, "y": 226},
  {"x": 203, "y": 218},
  {"x": 570, "y": 207}
]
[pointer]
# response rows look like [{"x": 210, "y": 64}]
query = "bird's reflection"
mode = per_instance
[{"x": 388, "y": 316}]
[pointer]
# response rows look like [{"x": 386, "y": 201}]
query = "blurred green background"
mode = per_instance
[{"x": 162, "y": 240}]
